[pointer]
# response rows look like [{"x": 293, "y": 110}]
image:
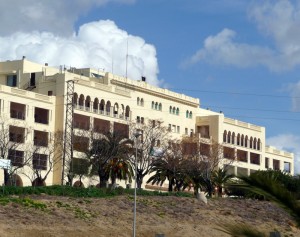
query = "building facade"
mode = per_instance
[{"x": 33, "y": 99}]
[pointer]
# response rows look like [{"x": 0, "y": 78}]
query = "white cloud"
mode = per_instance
[
  {"x": 288, "y": 142},
  {"x": 54, "y": 16},
  {"x": 98, "y": 44},
  {"x": 277, "y": 19}
]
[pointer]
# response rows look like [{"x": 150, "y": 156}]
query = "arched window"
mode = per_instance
[
  {"x": 229, "y": 137},
  {"x": 102, "y": 105},
  {"x": 173, "y": 110},
  {"x": 127, "y": 112},
  {"x": 108, "y": 105},
  {"x": 251, "y": 142},
  {"x": 187, "y": 114},
  {"x": 246, "y": 141},
  {"x": 242, "y": 140},
  {"x": 87, "y": 103},
  {"x": 156, "y": 106},
  {"x": 224, "y": 136},
  {"x": 170, "y": 109},
  {"x": 152, "y": 106},
  {"x": 258, "y": 144},
  {"x": 81, "y": 101},
  {"x": 142, "y": 102},
  {"x": 96, "y": 105},
  {"x": 116, "y": 109},
  {"x": 138, "y": 101},
  {"x": 255, "y": 143},
  {"x": 122, "y": 109},
  {"x": 75, "y": 98},
  {"x": 191, "y": 114},
  {"x": 238, "y": 142},
  {"x": 160, "y": 107},
  {"x": 233, "y": 138},
  {"x": 177, "y": 111}
]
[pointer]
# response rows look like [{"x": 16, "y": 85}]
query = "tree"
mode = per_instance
[
  {"x": 13, "y": 143},
  {"x": 151, "y": 146},
  {"x": 171, "y": 167},
  {"x": 44, "y": 155},
  {"x": 104, "y": 149},
  {"x": 219, "y": 178}
]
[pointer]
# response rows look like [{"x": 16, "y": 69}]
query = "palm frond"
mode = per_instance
[{"x": 240, "y": 230}]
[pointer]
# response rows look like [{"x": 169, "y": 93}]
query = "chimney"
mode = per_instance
[{"x": 143, "y": 78}]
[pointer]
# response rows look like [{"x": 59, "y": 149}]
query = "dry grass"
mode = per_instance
[{"x": 173, "y": 216}]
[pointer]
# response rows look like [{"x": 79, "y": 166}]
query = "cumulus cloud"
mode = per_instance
[
  {"x": 288, "y": 142},
  {"x": 47, "y": 15},
  {"x": 97, "y": 44},
  {"x": 277, "y": 19}
]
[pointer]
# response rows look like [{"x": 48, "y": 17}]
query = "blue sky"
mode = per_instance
[{"x": 238, "y": 56}]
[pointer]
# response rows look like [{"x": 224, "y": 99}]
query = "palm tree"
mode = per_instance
[
  {"x": 264, "y": 184},
  {"x": 219, "y": 178},
  {"x": 119, "y": 168},
  {"x": 108, "y": 147}
]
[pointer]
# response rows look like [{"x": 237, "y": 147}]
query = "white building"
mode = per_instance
[{"x": 33, "y": 98}]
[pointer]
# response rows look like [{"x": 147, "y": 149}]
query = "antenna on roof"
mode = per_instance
[{"x": 126, "y": 58}]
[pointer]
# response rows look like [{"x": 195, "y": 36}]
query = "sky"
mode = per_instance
[{"x": 240, "y": 57}]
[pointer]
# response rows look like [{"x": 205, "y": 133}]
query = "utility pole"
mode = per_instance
[{"x": 68, "y": 134}]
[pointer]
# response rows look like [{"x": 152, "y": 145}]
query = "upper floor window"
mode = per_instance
[{"x": 11, "y": 80}]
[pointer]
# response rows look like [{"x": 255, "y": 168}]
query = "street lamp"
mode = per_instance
[{"x": 136, "y": 135}]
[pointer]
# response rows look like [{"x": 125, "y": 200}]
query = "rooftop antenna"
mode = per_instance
[{"x": 126, "y": 59}]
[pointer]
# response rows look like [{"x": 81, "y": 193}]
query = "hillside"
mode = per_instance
[{"x": 49, "y": 216}]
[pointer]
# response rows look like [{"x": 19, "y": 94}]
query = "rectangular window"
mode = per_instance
[
  {"x": 267, "y": 166},
  {"x": 173, "y": 128},
  {"x": 178, "y": 129},
  {"x": 39, "y": 161},
  {"x": 142, "y": 120},
  {"x": 138, "y": 119},
  {"x": 186, "y": 131},
  {"x": 16, "y": 157},
  {"x": 11, "y": 80}
]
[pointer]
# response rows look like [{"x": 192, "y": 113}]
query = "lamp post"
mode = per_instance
[{"x": 136, "y": 135}]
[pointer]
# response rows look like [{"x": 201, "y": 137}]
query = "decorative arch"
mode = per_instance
[
  {"x": 242, "y": 140},
  {"x": 108, "y": 105},
  {"x": 38, "y": 183},
  {"x": 254, "y": 143},
  {"x": 96, "y": 104},
  {"x": 246, "y": 141},
  {"x": 160, "y": 107},
  {"x": 81, "y": 100},
  {"x": 16, "y": 180},
  {"x": 102, "y": 105},
  {"x": 258, "y": 144},
  {"x": 225, "y": 136},
  {"x": 78, "y": 184},
  {"x": 88, "y": 102},
  {"x": 233, "y": 138},
  {"x": 229, "y": 137},
  {"x": 116, "y": 108},
  {"x": 238, "y": 139},
  {"x": 75, "y": 98},
  {"x": 127, "y": 111},
  {"x": 251, "y": 142}
]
